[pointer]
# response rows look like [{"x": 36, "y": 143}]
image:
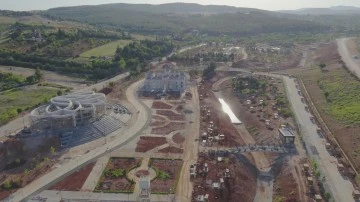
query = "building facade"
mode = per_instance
[{"x": 165, "y": 82}]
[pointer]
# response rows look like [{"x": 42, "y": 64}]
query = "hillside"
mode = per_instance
[
  {"x": 336, "y": 10},
  {"x": 181, "y": 17}
]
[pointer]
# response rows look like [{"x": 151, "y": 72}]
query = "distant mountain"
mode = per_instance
[
  {"x": 336, "y": 10},
  {"x": 183, "y": 17},
  {"x": 179, "y": 8}
]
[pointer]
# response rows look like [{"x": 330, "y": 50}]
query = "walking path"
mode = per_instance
[{"x": 95, "y": 174}]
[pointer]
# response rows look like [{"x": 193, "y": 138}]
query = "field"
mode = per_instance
[
  {"x": 105, "y": 50},
  {"x": 12, "y": 100},
  {"x": 342, "y": 92}
]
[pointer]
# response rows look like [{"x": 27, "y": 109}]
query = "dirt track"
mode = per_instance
[
  {"x": 347, "y": 53},
  {"x": 184, "y": 187}
]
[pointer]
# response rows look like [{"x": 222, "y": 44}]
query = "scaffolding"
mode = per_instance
[{"x": 66, "y": 112}]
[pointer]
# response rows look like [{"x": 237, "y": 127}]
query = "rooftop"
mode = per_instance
[{"x": 286, "y": 133}]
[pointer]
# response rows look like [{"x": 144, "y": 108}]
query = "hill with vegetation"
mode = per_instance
[{"x": 181, "y": 17}]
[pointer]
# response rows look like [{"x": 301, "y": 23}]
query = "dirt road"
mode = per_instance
[
  {"x": 348, "y": 56},
  {"x": 191, "y": 148}
]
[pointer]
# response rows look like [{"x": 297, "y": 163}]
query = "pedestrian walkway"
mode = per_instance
[{"x": 95, "y": 174}]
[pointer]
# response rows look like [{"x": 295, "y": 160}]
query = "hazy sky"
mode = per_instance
[{"x": 262, "y": 4}]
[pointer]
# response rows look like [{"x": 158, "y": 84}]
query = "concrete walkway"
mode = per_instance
[
  {"x": 57, "y": 196},
  {"x": 95, "y": 174}
]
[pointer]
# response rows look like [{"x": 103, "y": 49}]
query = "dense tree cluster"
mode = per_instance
[
  {"x": 206, "y": 57},
  {"x": 132, "y": 57},
  {"x": 135, "y": 55},
  {"x": 209, "y": 72},
  {"x": 10, "y": 80},
  {"x": 14, "y": 13}
]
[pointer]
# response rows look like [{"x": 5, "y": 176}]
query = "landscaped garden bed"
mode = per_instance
[
  {"x": 75, "y": 181},
  {"x": 167, "y": 175},
  {"x": 147, "y": 143},
  {"x": 114, "y": 178},
  {"x": 165, "y": 130},
  {"x": 171, "y": 115}
]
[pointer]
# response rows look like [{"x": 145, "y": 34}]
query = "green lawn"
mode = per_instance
[
  {"x": 24, "y": 99},
  {"x": 105, "y": 50},
  {"x": 343, "y": 95}
]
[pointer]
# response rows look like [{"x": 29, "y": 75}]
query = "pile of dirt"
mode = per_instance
[
  {"x": 148, "y": 143},
  {"x": 75, "y": 181}
]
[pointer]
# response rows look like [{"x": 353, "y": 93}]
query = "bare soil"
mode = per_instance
[
  {"x": 75, "y": 181},
  {"x": 285, "y": 186},
  {"x": 147, "y": 143}
]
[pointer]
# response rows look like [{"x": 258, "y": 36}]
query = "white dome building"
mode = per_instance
[{"x": 68, "y": 111}]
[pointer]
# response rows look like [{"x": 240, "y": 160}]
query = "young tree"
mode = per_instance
[{"x": 52, "y": 150}]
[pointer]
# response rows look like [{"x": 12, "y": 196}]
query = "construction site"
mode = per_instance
[{"x": 163, "y": 136}]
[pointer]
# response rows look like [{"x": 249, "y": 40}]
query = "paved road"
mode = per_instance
[
  {"x": 71, "y": 166},
  {"x": 18, "y": 124},
  {"x": 347, "y": 57},
  {"x": 340, "y": 187},
  {"x": 57, "y": 196}
]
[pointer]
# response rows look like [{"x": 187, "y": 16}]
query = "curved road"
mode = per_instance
[
  {"x": 121, "y": 138},
  {"x": 352, "y": 64}
]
